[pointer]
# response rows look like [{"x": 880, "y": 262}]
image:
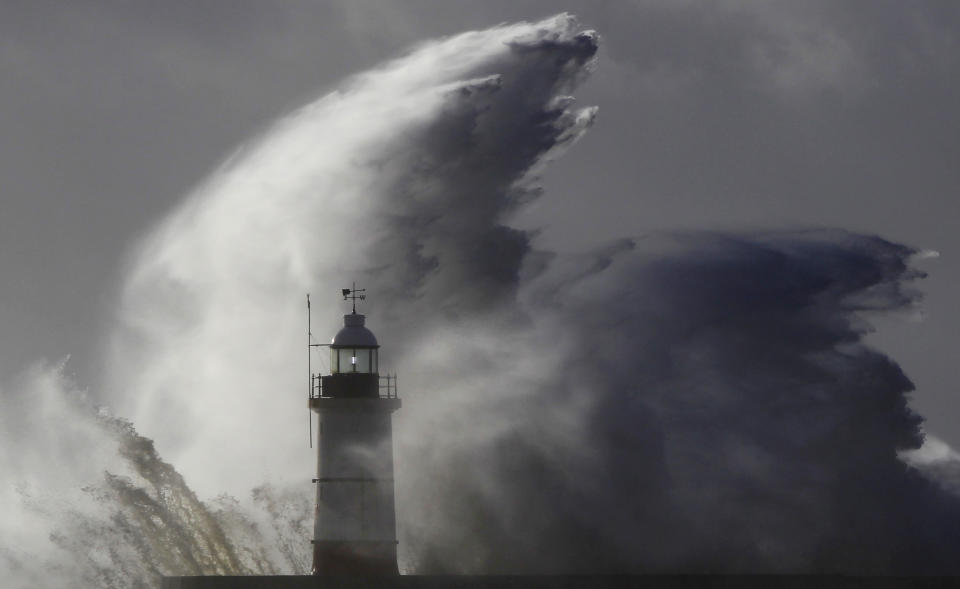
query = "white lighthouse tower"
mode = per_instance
[{"x": 355, "y": 530}]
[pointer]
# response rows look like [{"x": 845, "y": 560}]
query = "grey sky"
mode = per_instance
[{"x": 712, "y": 115}]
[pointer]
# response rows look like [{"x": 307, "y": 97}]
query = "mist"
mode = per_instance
[{"x": 677, "y": 402}]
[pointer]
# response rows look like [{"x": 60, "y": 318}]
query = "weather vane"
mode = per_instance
[{"x": 352, "y": 294}]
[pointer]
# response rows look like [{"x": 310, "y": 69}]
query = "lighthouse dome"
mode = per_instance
[{"x": 354, "y": 334}]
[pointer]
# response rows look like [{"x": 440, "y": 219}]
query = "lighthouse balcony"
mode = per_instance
[{"x": 353, "y": 386}]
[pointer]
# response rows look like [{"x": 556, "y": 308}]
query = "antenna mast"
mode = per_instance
[{"x": 310, "y": 372}]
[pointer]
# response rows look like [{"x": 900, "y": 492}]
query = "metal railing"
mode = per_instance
[{"x": 387, "y": 386}]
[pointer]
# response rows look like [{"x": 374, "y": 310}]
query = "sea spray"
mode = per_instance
[
  {"x": 677, "y": 402},
  {"x": 698, "y": 401},
  {"x": 134, "y": 521},
  {"x": 408, "y": 167}
]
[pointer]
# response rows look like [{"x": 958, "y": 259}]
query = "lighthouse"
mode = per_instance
[{"x": 355, "y": 530}]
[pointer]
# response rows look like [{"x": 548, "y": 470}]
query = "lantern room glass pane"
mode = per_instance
[
  {"x": 361, "y": 360},
  {"x": 344, "y": 364}
]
